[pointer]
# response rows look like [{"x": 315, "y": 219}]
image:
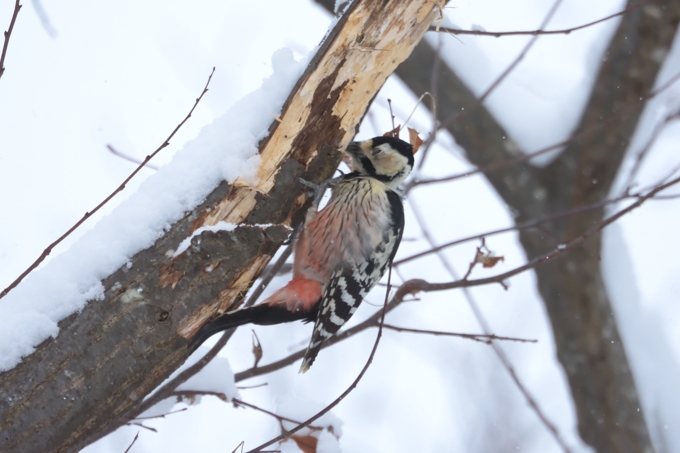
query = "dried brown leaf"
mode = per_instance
[
  {"x": 306, "y": 443},
  {"x": 487, "y": 258},
  {"x": 491, "y": 261},
  {"x": 393, "y": 133},
  {"x": 257, "y": 349},
  {"x": 414, "y": 139}
]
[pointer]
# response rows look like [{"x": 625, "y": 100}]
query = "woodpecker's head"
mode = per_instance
[{"x": 386, "y": 159}]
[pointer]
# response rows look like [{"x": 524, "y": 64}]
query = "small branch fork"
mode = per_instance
[
  {"x": 8, "y": 34},
  {"x": 120, "y": 188},
  {"x": 566, "y": 31}
]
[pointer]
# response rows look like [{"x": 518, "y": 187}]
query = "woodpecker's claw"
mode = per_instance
[
  {"x": 319, "y": 189},
  {"x": 309, "y": 184}
]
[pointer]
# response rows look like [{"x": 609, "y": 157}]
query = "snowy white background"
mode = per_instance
[{"x": 125, "y": 73}]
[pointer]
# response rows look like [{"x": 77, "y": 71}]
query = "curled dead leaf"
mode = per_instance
[
  {"x": 487, "y": 258},
  {"x": 393, "y": 133},
  {"x": 257, "y": 349},
  {"x": 491, "y": 261},
  {"x": 414, "y": 139}
]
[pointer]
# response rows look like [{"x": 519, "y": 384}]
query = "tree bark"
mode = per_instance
[
  {"x": 585, "y": 330},
  {"x": 106, "y": 358}
]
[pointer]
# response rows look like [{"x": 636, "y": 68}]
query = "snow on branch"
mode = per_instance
[{"x": 120, "y": 291}]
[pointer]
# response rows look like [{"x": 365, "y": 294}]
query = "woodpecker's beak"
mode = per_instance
[
  {"x": 353, "y": 149},
  {"x": 352, "y": 153}
]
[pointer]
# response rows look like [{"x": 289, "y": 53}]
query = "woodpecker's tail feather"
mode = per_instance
[
  {"x": 310, "y": 355},
  {"x": 258, "y": 314}
]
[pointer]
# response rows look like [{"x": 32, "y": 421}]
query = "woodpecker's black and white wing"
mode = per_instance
[{"x": 352, "y": 281}]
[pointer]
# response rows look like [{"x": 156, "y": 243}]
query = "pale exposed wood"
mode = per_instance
[
  {"x": 79, "y": 386},
  {"x": 357, "y": 63}
]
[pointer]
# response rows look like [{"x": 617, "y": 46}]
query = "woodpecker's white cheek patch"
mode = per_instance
[{"x": 389, "y": 162}]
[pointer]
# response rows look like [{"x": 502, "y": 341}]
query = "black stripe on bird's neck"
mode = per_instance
[{"x": 369, "y": 168}]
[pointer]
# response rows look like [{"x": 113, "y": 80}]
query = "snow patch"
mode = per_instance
[
  {"x": 298, "y": 409},
  {"x": 219, "y": 226},
  {"x": 225, "y": 149},
  {"x": 217, "y": 376}
]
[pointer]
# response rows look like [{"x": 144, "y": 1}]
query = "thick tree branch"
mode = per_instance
[{"x": 106, "y": 358}]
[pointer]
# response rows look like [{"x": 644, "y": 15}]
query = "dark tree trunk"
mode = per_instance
[{"x": 585, "y": 330}]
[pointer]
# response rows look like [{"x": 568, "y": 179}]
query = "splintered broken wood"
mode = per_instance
[
  {"x": 327, "y": 105},
  {"x": 78, "y": 386}
]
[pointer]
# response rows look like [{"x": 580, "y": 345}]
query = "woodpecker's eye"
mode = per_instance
[{"x": 377, "y": 151}]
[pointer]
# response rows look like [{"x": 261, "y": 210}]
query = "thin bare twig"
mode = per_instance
[
  {"x": 8, "y": 34},
  {"x": 143, "y": 426},
  {"x": 337, "y": 401},
  {"x": 656, "y": 133},
  {"x": 191, "y": 394},
  {"x": 120, "y": 188},
  {"x": 480, "y": 337},
  {"x": 500, "y": 353},
  {"x": 565, "y": 31},
  {"x": 276, "y": 416},
  {"x": 517, "y": 59},
  {"x": 130, "y": 158},
  {"x": 250, "y": 387},
  {"x": 133, "y": 442},
  {"x": 389, "y": 102},
  {"x": 434, "y": 84}
]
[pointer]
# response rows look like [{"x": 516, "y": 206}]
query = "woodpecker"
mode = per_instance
[{"x": 342, "y": 251}]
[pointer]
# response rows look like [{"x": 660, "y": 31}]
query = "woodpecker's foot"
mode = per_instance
[
  {"x": 309, "y": 184},
  {"x": 319, "y": 189}
]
